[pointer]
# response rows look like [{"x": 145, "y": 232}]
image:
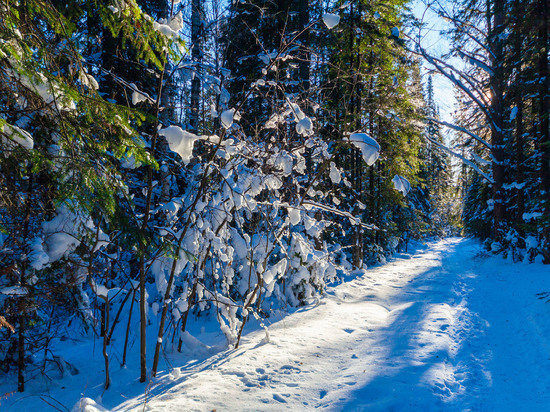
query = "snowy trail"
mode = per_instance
[
  {"x": 447, "y": 328},
  {"x": 442, "y": 329}
]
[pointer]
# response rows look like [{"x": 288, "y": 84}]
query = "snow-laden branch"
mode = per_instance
[
  {"x": 465, "y": 160},
  {"x": 356, "y": 220},
  {"x": 462, "y": 130},
  {"x": 472, "y": 89},
  {"x": 476, "y": 62},
  {"x": 308, "y": 204},
  {"x": 137, "y": 95}
]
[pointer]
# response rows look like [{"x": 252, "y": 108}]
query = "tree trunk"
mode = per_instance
[
  {"x": 497, "y": 84},
  {"x": 105, "y": 343},
  {"x": 22, "y": 303},
  {"x": 128, "y": 327},
  {"x": 196, "y": 55},
  {"x": 304, "y": 54},
  {"x": 520, "y": 139},
  {"x": 143, "y": 320},
  {"x": 544, "y": 112}
]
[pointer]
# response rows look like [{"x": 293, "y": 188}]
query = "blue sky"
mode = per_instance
[{"x": 436, "y": 44}]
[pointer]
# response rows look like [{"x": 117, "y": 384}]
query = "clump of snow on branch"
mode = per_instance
[
  {"x": 139, "y": 96},
  {"x": 64, "y": 233},
  {"x": 370, "y": 149},
  {"x": 169, "y": 28},
  {"x": 304, "y": 125},
  {"x": 88, "y": 80},
  {"x": 38, "y": 258},
  {"x": 227, "y": 118},
  {"x": 181, "y": 141},
  {"x": 335, "y": 175},
  {"x": 331, "y": 20},
  {"x": 294, "y": 215},
  {"x": 17, "y": 135},
  {"x": 513, "y": 113},
  {"x": 401, "y": 184},
  {"x": 49, "y": 91}
]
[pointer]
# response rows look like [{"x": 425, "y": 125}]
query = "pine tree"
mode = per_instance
[{"x": 68, "y": 141}]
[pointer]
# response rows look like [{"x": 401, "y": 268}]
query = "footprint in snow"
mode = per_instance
[
  {"x": 323, "y": 394},
  {"x": 235, "y": 373},
  {"x": 247, "y": 383},
  {"x": 279, "y": 398},
  {"x": 289, "y": 368},
  {"x": 349, "y": 330}
]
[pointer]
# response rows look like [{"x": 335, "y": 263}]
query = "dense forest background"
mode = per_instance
[{"x": 167, "y": 160}]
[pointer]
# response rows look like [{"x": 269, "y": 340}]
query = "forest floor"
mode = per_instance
[{"x": 446, "y": 328}]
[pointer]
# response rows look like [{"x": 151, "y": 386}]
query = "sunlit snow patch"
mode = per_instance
[
  {"x": 401, "y": 184},
  {"x": 87, "y": 405},
  {"x": 331, "y": 20},
  {"x": 369, "y": 147}
]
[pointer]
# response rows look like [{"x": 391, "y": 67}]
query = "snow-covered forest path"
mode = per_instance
[{"x": 446, "y": 328}]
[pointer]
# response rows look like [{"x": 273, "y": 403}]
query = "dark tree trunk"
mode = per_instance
[
  {"x": 544, "y": 109},
  {"x": 143, "y": 320},
  {"x": 304, "y": 54},
  {"x": 23, "y": 302},
  {"x": 197, "y": 17},
  {"x": 518, "y": 97},
  {"x": 497, "y": 84}
]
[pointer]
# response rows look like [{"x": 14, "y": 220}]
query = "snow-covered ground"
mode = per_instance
[{"x": 448, "y": 328}]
